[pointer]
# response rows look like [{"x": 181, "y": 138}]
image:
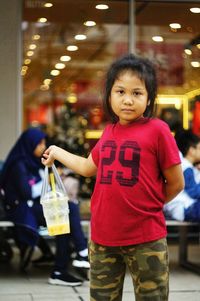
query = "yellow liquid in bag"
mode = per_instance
[{"x": 58, "y": 229}]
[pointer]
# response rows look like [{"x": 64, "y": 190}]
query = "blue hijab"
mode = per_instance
[{"x": 23, "y": 150}]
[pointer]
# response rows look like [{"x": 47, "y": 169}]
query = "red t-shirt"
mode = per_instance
[{"x": 127, "y": 202}]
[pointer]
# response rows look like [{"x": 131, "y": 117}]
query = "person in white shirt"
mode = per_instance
[{"x": 186, "y": 205}]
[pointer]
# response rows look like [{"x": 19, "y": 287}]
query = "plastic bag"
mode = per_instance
[{"x": 54, "y": 201}]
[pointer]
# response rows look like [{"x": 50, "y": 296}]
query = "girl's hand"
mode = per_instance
[{"x": 49, "y": 155}]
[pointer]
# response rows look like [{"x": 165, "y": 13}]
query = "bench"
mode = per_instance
[{"x": 183, "y": 228}]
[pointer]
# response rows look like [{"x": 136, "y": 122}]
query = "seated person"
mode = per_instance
[
  {"x": 186, "y": 205},
  {"x": 21, "y": 180}
]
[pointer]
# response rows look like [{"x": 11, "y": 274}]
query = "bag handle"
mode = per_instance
[
  {"x": 45, "y": 182},
  {"x": 58, "y": 179}
]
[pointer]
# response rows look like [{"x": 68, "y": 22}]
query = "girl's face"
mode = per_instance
[
  {"x": 40, "y": 148},
  {"x": 129, "y": 97}
]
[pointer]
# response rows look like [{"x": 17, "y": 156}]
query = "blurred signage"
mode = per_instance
[{"x": 168, "y": 59}]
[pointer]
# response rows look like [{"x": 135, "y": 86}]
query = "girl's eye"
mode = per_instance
[
  {"x": 120, "y": 91},
  {"x": 137, "y": 93}
]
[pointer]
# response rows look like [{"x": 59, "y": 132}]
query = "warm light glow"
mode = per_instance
[
  {"x": 165, "y": 100},
  {"x": 59, "y": 66},
  {"x": 175, "y": 25},
  {"x": 72, "y": 48},
  {"x": 24, "y": 68},
  {"x": 179, "y": 101},
  {"x": 188, "y": 51},
  {"x": 30, "y": 53},
  {"x": 80, "y": 37},
  {"x": 44, "y": 87},
  {"x": 195, "y": 10},
  {"x": 195, "y": 64},
  {"x": 72, "y": 98},
  {"x": 48, "y": 4},
  {"x": 42, "y": 20},
  {"x": 198, "y": 46},
  {"x": 93, "y": 134},
  {"x": 47, "y": 81},
  {"x": 193, "y": 93},
  {"x": 102, "y": 6},
  {"x": 36, "y": 37},
  {"x": 27, "y": 61},
  {"x": 32, "y": 46},
  {"x": 55, "y": 72},
  {"x": 89, "y": 23},
  {"x": 23, "y": 72},
  {"x": 65, "y": 58},
  {"x": 157, "y": 39}
]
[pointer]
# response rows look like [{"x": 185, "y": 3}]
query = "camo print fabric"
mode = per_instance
[{"x": 148, "y": 266}]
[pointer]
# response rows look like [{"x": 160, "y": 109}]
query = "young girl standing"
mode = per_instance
[{"x": 137, "y": 167}]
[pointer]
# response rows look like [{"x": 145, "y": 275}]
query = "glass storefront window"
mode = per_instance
[
  {"x": 61, "y": 81},
  {"x": 67, "y": 47},
  {"x": 168, "y": 33}
]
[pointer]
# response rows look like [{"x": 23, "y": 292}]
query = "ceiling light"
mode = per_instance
[
  {"x": 65, "y": 58},
  {"x": 102, "y": 6},
  {"x": 27, "y": 61},
  {"x": 36, "y": 37},
  {"x": 24, "y": 68},
  {"x": 195, "y": 64},
  {"x": 157, "y": 39},
  {"x": 89, "y": 23},
  {"x": 32, "y": 46},
  {"x": 195, "y": 10},
  {"x": 23, "y": 72},
  {"x": 48, "y": 4},
  {"x": 30, "y": 53},
  {"x": 42, "y": 20},
  {"x": 59, "y": 66},
  {"x": 47, "y": 81},
  {"x": 175, "y": 25},
  {"x": 44, "y": 87},
  {"x": 72, "y": 48},
  {"x": 80, "y": 37},
  {"x": 188, "y": 51},
  {"x": 55, "y": 72}
]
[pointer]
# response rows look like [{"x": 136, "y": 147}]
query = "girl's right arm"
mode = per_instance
[{"x": 83, "y": 166}]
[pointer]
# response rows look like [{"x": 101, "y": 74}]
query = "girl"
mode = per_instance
[{"x": 137, "y": 167}]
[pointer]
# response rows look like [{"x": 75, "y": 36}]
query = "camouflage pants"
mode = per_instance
[{"x": 148, "y": 266}]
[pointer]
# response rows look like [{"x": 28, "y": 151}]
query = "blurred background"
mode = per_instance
[{"x": 59, "y": 52}]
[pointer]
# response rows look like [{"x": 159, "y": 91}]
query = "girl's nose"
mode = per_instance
[{"x": 128, "y": 99}]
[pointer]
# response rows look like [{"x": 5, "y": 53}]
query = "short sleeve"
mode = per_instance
[
  {"x": 168, "y": 152},
  {"x": 95, "y": 153}
]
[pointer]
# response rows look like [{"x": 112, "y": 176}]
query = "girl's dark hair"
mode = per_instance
[{"x": 141, "y": 67}]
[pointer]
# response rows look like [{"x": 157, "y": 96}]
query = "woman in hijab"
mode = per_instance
[{"x": 21, "y": 181}]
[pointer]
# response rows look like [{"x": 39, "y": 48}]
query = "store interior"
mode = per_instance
[{"x": 68, "y": 46}]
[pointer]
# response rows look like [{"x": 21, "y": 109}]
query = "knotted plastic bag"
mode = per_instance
[{"x": 54, "y": 201}]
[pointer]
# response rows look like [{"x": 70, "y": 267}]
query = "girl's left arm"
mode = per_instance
[{"x": 174, "y": 181}]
